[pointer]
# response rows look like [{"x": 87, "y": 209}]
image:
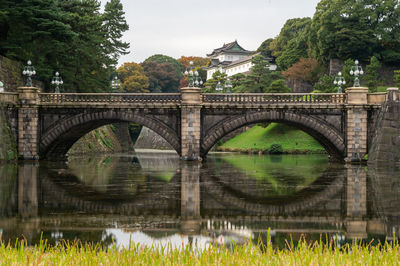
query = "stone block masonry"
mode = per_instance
[
  {"x": 357, "y": 121},
  {"x": 28, "y": 119}
]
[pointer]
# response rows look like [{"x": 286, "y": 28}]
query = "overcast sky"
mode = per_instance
[{"x": 195, "y": 28}]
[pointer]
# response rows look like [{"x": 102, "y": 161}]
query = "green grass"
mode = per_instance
[
  {"x": 260, "y": 139},
  {"x": 304, "y": 253}
]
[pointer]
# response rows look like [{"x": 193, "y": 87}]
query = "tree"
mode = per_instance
[
  {"x": 197, "y": 61},
  {"x": 396, "y": 77},
  {"x": 237, "y": 81},
  {"x": 114, "y": 24},
  {"x": 356, "y": 29},
  {"x": 325, "y": 84},
  {"x": 211, "y": 84},
  {"x": 265, "y": 49},
  {"x": 258, "y": 80},
  {"x": 372, "y": 74},
  {"x": 278, "y": 86},
  {"x": 292, "y": 42},
  {"x": 133, "y": 78},
  {"x": 348, "y": 64},
  {"x": 307, "y": 69},
  {"x": 70, "y": 36},
  {"x": 159, "y": 58},
  {"x": 162, "y": 76}
]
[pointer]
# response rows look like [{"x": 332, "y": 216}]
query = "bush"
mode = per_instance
[
  {"x": 325, "y": 84},
  {"x": 396, "y": 77},
  {"x": 276, "y": 149}
]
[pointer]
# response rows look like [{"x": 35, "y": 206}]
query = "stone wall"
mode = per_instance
[
  {"x": 10, "y": 74},
  {"x": 99, "y": 141},
  {"x": 385, "y": 148},
  {"x": 299, "y": 86},
  {"x": 148, "y": 139},
  {"x": 8, "y": 145}
]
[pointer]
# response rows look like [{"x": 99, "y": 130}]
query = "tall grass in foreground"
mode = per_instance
[{"x": 318, "y": 253}]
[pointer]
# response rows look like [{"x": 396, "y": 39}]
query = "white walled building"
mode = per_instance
[{"x": 231, "y": 59}]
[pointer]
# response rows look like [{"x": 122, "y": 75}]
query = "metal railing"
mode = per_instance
[
  {"x": 9, "y": 98},
  {"x": 275, "y": 98},
  {"x": 108, "y": 98}
]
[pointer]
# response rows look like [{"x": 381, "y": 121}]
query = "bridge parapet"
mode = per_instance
[
  {"x": 275, "y": 98},
  {"x": 9, "y": 98},
  {"x": 108, "y": 98}
]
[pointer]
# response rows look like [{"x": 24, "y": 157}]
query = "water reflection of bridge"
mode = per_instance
[{"x": 193, "y": 204}]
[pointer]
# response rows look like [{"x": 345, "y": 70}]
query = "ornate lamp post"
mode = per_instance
[
  {"x": 29, "y": 71},
  {"x": 339, "y": 80},
  {"x": 356, "y": 71},
  {"x": 115, "y": 83},
  {"x": 219, "y": 88},
  {"x": 228, "y": 86},
  {"x": 194, "y": 78},
  {"x": 1, "y": 87},
  {"x": 57, "y": 80}
]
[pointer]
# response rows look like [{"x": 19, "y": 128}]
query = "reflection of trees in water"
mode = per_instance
[
  {"x": 270, "y": 176},
  {"x": 8, "y": 177},
  {"x": 132, "y": 173}
]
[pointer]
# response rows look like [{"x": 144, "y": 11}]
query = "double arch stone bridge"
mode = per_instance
[{"x": 46, "y": 125}]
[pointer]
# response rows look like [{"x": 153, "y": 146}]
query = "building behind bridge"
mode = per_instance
[{"x": 232, "y": 59}]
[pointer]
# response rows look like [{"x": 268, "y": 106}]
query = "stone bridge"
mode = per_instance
[{"x": 46, "y": 125}]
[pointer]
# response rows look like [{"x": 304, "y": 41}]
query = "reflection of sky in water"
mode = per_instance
[{"x": 176, "y": 241}]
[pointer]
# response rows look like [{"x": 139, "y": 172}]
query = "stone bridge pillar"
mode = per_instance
[
  {"x": 356, "y": 202},
  {"x": 190, "y": 198},
  {"x": 190, "y": 124},
  {"x": 28, "y": 119},
  {"x": 356, "y": 124}
]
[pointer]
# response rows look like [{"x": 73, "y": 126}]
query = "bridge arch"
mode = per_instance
[
  {"x": 59, "y": 138},
  {"x": 329, "y": 137}
]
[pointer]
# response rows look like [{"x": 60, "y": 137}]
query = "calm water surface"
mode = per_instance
[{"x": 154, "y": 198}]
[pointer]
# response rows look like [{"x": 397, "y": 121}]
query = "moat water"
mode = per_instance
[{"x": 156, "y": 199}]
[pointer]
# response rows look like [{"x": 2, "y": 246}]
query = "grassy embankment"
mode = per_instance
[
  {"x": 248, "y": 254},
  {"x": 258, "y": 139}
]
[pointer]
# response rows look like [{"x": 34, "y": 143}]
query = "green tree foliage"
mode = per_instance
[
  {"x": 356, "y": 29},
  {"x": 70, "y": 36},
  {"x": 259, "y": 78},
  {"x": 348, "y": 64},
  {"x": 237, "y": 81},
  {"x": 265, "y": 49},
  {"x": 211, "y": 84},
  {"x": 292, "y": 42},
  {"x": 396, "y": 77},
  {"x": 114, "y": 24},
  {"x": 372, "y": 74},
  {"x": 278, "y": 86},
  {"x": 159, "y": 58},
  {"x": 325, "y": 84},
  {"x": 133, "y": 78},
  {"x": 163, "y": 77}
]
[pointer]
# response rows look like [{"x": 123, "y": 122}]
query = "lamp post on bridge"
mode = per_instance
[
  {"x": 1, "y": 87},
  {"x": 356, "y": 71},
  {"x": 115, "y": 84},
  {"x": 57, "y": 81},
  {"x": 339, "y": 80},
  {"x": 194, "y": 78},
  {"x": 29, "y": 71},
  {"x": 227, "y": 86}
]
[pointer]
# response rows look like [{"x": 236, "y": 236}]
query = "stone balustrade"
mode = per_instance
[
  {"x": 275, "y": 98},
  {"x": 9, "y": 98},
  {"x": 206, "y": 98},
  {"x": 108, "y": 98}
]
